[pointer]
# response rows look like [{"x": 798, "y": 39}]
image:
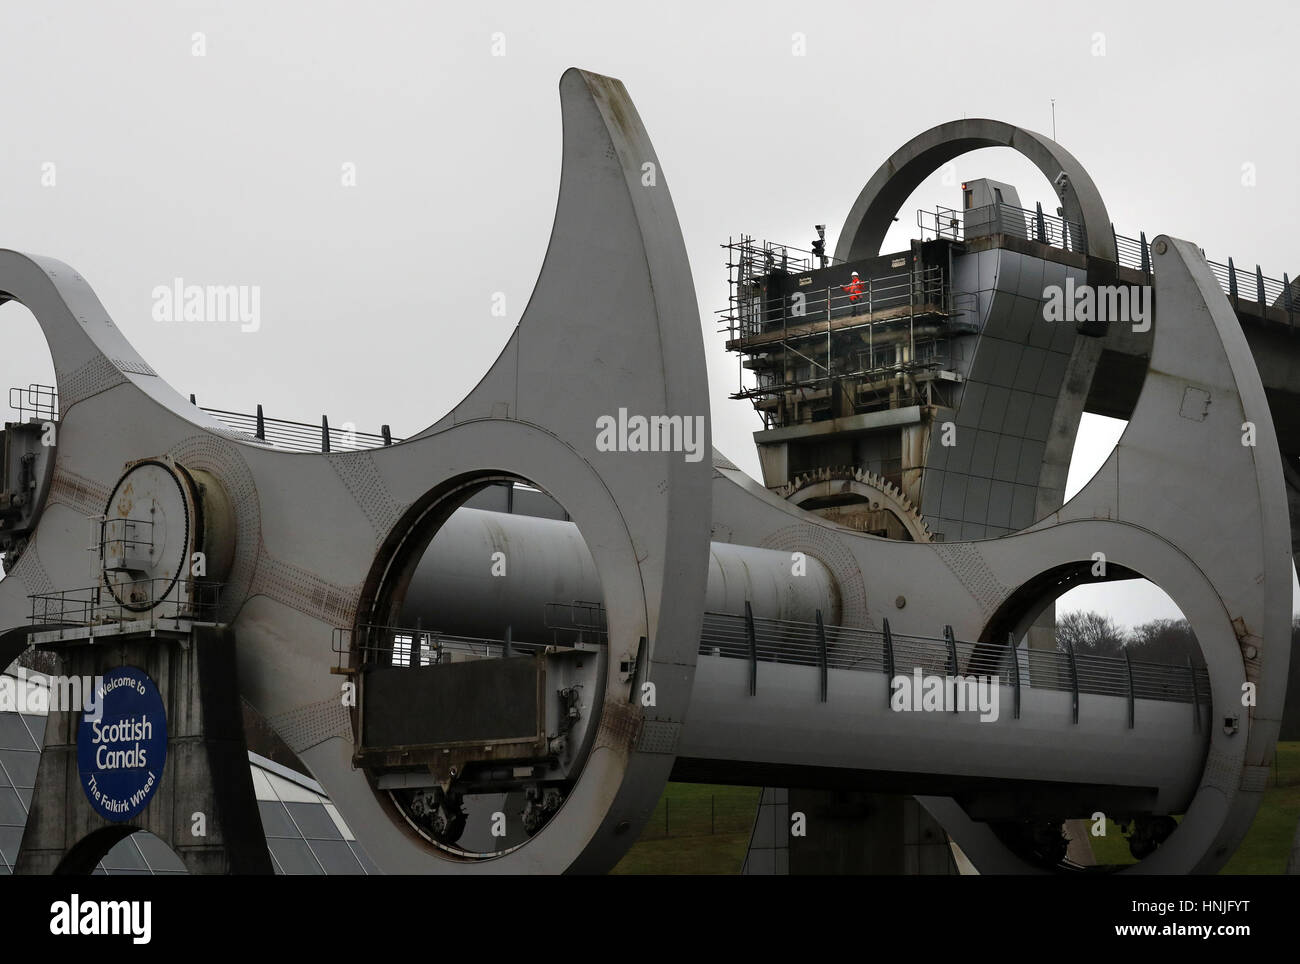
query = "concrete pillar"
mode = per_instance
[
  {"x": 205, "y": 772},
  {"x": 852, "y": 832},
  {"x": 769, "y": 843}
]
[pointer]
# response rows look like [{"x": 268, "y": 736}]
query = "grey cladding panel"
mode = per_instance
[
  {"x": 1031, "y": 366},
  {"x": 1063, "y": 335},
  {"x": 1040, "y": 418},
  {"x": 1006, "y": 361},
  {"x": 1042, "y": 330},
  {"x": 959, "y": 455},
  {"x": 984, "y": 454},
  {"x": 1031, "y": 463},
  {"x": 954, "y": 495},
  {"x": 977, "y": 497},
  {"x": 1022, "y": 506},
  {"x": 1031, "y": 279},
  {"x": 988, "y": 269},
  {"x": 1009, "y": 270},
  {"x": 972, "y": 403},
  {"x": 1049, "y": 382},
  {"x": 1017, "y": 413},
  {"x": 1008, "y": 458},
  {"x": 1000, "y": 498},
  {"x": 1021, "y": 317},
  {"x": 995, "y": 407}
]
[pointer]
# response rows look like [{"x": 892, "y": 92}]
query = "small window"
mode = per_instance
[{"x": 997, "y": 194}]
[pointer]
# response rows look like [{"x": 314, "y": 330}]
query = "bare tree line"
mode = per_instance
[{"x": 1157, "y": 641}]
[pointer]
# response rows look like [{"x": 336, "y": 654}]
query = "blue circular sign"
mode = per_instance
[{"x": 122, "y": 743}]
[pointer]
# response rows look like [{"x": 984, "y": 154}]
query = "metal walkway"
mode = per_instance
[
  {"x": 1056, "y": 232},
  {"x": 841, "y": 647}
]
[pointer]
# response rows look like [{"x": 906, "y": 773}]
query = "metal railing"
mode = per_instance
[
  {"x": 942, "y": 222},
  {"x": 300, "y": 436},
  {"x": 1255, "y": 287},
  {"x": 801, "y": 643},
  {"x": 121, "y": 540},
  {"x": 35, "y": 401},
  {"x": 1003, "y": 218},
  {"x": 375, "y": 645},
  {"x": 128, "y": 605},
  {"x": 815, "y": 644},
  {"x": 892, "y": 322},
  {"x": 1133, "y": 252},
  {"x": 1251, "y": 286},
  {"x": 572, "y": 623},
  {"x": 389, "y": 645},
  {"x": 1045, "y": 228},
  {"x": 42, "y": 402},
  {"x": 581, "y": 618},
  {"x": 757, "y": 314},
  {"x": 1239, "y": 285},
  {"x": 751, "y": 313},
  {"x": 754, "y": 258}
]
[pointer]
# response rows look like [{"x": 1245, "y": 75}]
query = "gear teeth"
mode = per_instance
[{"x": 891, "y": 498}]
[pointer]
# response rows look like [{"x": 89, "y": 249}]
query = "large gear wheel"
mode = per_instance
[{"x": 856, "y": 498}]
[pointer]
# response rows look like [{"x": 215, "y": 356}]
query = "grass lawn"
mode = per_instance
[
  {"x": 696, "y": 829},
  {"x": 1268, "y": 843}
]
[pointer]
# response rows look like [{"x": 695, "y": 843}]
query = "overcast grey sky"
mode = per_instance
[{"x": 226, "y": 168}]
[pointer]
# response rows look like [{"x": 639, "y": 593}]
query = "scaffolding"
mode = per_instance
[{"x": 821, "y": 350}]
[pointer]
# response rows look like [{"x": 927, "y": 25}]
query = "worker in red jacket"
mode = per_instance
[{"x": 854, "y": 288}]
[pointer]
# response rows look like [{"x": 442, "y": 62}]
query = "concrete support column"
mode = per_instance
[
  {"x": 846, "y": 832},
  {"x": 205, "y": 773},
  {"x": 852, "y": 832}
]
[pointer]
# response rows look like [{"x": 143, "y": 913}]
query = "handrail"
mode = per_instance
[
  {"x": 152, "y": 602},
  {"x": 821, "y": 654},
  {"x": 39, "y": 401},
  {"x": 758, "y": 639},
  {"x": 397, "y": 646},
  {"x": 821, "y": 646},
  {"x": 299, "y": 436},
  {"x": 1074, "y": 678},
  {"x": 42, "y": 402},
  {"x": 1250, "y": 286},
  {"x": 751, "y": 315},
  {"x": 752, "y": 638},
  {"x": 889, "y": 659},
  {"x": 1128, "y": 693},
  {"x": 1010, "y": 219},
  {"x": 1015, "y": 670}
]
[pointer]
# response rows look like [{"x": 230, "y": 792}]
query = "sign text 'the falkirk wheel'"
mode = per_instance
[{"x": 120, "y": 753}]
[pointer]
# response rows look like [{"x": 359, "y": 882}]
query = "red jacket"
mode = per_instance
[{"x": 854, "y": 288}]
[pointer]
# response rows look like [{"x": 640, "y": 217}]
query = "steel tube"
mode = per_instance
[{"x": 486, "y": 570}]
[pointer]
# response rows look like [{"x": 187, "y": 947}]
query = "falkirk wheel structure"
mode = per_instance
[{"x": 481, "y": 689}]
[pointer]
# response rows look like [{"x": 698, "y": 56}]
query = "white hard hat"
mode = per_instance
[{"x": 855, "y": 274}]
